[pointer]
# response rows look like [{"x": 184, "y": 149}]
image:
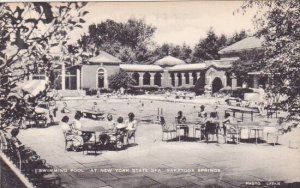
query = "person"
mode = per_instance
[
  {"x": 120, "y": 129},
  {"x": 65, "y": 109},
  {"x": 212, "y": 125},
  {"x": 14, "y": 141},
  {"x": 180, "y": 119},
  {"x": 94, "y": 107},
  {"x": 77, "y": 124},
  {"x": 202, "y": 114},
  {"x": 110, "y": 122},
  {"x": 261, "y": 102},
  {"x": 131, "y": 125},
  {"x": 229, "y": 123},
  {"x": 70, "y": 133},
  {"x": 120, "y": 124},
  {"x": 110, "y": 126},
  {"x": 52, "y": 110}
]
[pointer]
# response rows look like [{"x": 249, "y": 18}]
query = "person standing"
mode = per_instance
[{"x": 131, "y": 125}]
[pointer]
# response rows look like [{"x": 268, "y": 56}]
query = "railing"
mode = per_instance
[{"x": 15, "y": 170}]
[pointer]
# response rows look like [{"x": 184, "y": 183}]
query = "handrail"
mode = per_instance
[{"x": 16, "y": 171}]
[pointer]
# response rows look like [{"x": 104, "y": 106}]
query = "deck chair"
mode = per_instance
[
  {"x": 67, "y": 140},
  {"x": 167, "y": 129},
  {"x": 233, "y": 132}
]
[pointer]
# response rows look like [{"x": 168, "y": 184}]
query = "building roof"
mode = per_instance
[
  {"x": 104, "y": 57},
  {"x": 245, "y": 44},
  {"x": 222, "y": 63},
  {"x": 169, "y": 61},
  {"x": 188, "y": 67},
  {"x": 143, "y": 68}
]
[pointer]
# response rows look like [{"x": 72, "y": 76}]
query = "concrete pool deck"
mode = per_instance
[{"x": 155, "y": 163}]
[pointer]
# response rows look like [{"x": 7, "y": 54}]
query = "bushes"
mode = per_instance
[{"x": 120, "y": 79}]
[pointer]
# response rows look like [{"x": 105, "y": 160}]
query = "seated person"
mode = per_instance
[
  {"x": 110, "y": 122},
  {"x": 104, "y": 138},
  {"x": 71, "y": 134},
  {"x": 120, "y": 125},
  {"x": 65, "y": 109},
  {"x": 180, "y": 119},
  {"x": 131, "y": 125},
  {"x": 14, "y": 141}
]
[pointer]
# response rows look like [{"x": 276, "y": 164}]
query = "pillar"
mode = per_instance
[
  {"x": 255, "y": 81},
  {"x": 166, "y": 79},
  {"x": 176, "y": 80},
  {"x": 63, "y": 76},
  {"x": 30, "y": 76},
  {"x": 191, "y": 79},
  {"x": 78, "y": 79},
  {"x": 183, "y": 79},
  {"x": 141, "y": 78},
  {"x": 233, "y": 81},
  {"x": 105, "y": 80},
  {"x": 152, "y": 79}
]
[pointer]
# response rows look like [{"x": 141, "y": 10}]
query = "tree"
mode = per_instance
[
  {"x": 207, "y": 49},
  {"x": 120, "y": 79},
  {"x": 237, "y": 36},
  {"x": 278, "y": 22},
  {"x": 128, "y": 41},
  {"x": 28, "y": 31}
]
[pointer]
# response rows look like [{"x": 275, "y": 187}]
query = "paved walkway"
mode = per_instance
[{"x": 153, "y": 163}]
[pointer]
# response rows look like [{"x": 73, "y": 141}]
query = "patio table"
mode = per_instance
[
  {"x": 93, "y": 130},
  {"x": 242, "y": 110},
  {"x": 252, "y": 126},
  {"x": 187, "y": 124}
]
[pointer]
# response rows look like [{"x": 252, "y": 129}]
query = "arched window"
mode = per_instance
[
  {"x": 147, "y": 78},
  {"x": 100, "y": 78},
  {"x": 136, "y": 78},
  {"x": 157, "y": 79}
]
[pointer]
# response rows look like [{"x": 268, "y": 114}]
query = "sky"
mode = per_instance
[{"x": 176, "y": 22}]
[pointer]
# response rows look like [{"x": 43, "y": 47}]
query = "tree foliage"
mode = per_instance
[
  {"x": 28, "y": 32},
  {"x": 278, "y": 22},
  {"x": 208, "y": 48},
  {"x": 120, "y": 79},
  {"x": 129, "y": 41}
]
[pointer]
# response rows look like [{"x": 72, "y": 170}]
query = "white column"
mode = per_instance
[
  {"x": 176, "y": 80},
  {"x": 105, "y": 80},
  {"x": 233, "y": 81},
  {"x": 78, "y": 78},
  {"x": 63, "y": 76},
  {"x": 255, "y": 81},
  {"x": 141, "y": 78},
  {"x": 183, "y": 79},
  {"x": 191, "y": 80},
  {"x": 30, "y": 76},
  {"x": 152, "y": 79}
]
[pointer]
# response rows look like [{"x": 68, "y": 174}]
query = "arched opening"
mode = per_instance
[
  {"x": 187, "y": 80},
  {"x": 179, "y": 79},
  {"x": 216, "y": 84},
  {"x": 172, "y": 79},
  {"x": 157, "y": 79},
  {"x": 100, "y": 78},
  {"x": 194, "y": 75},
  {"x": 146, "y": 78},
  {"x": 135, "y": 77}
]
